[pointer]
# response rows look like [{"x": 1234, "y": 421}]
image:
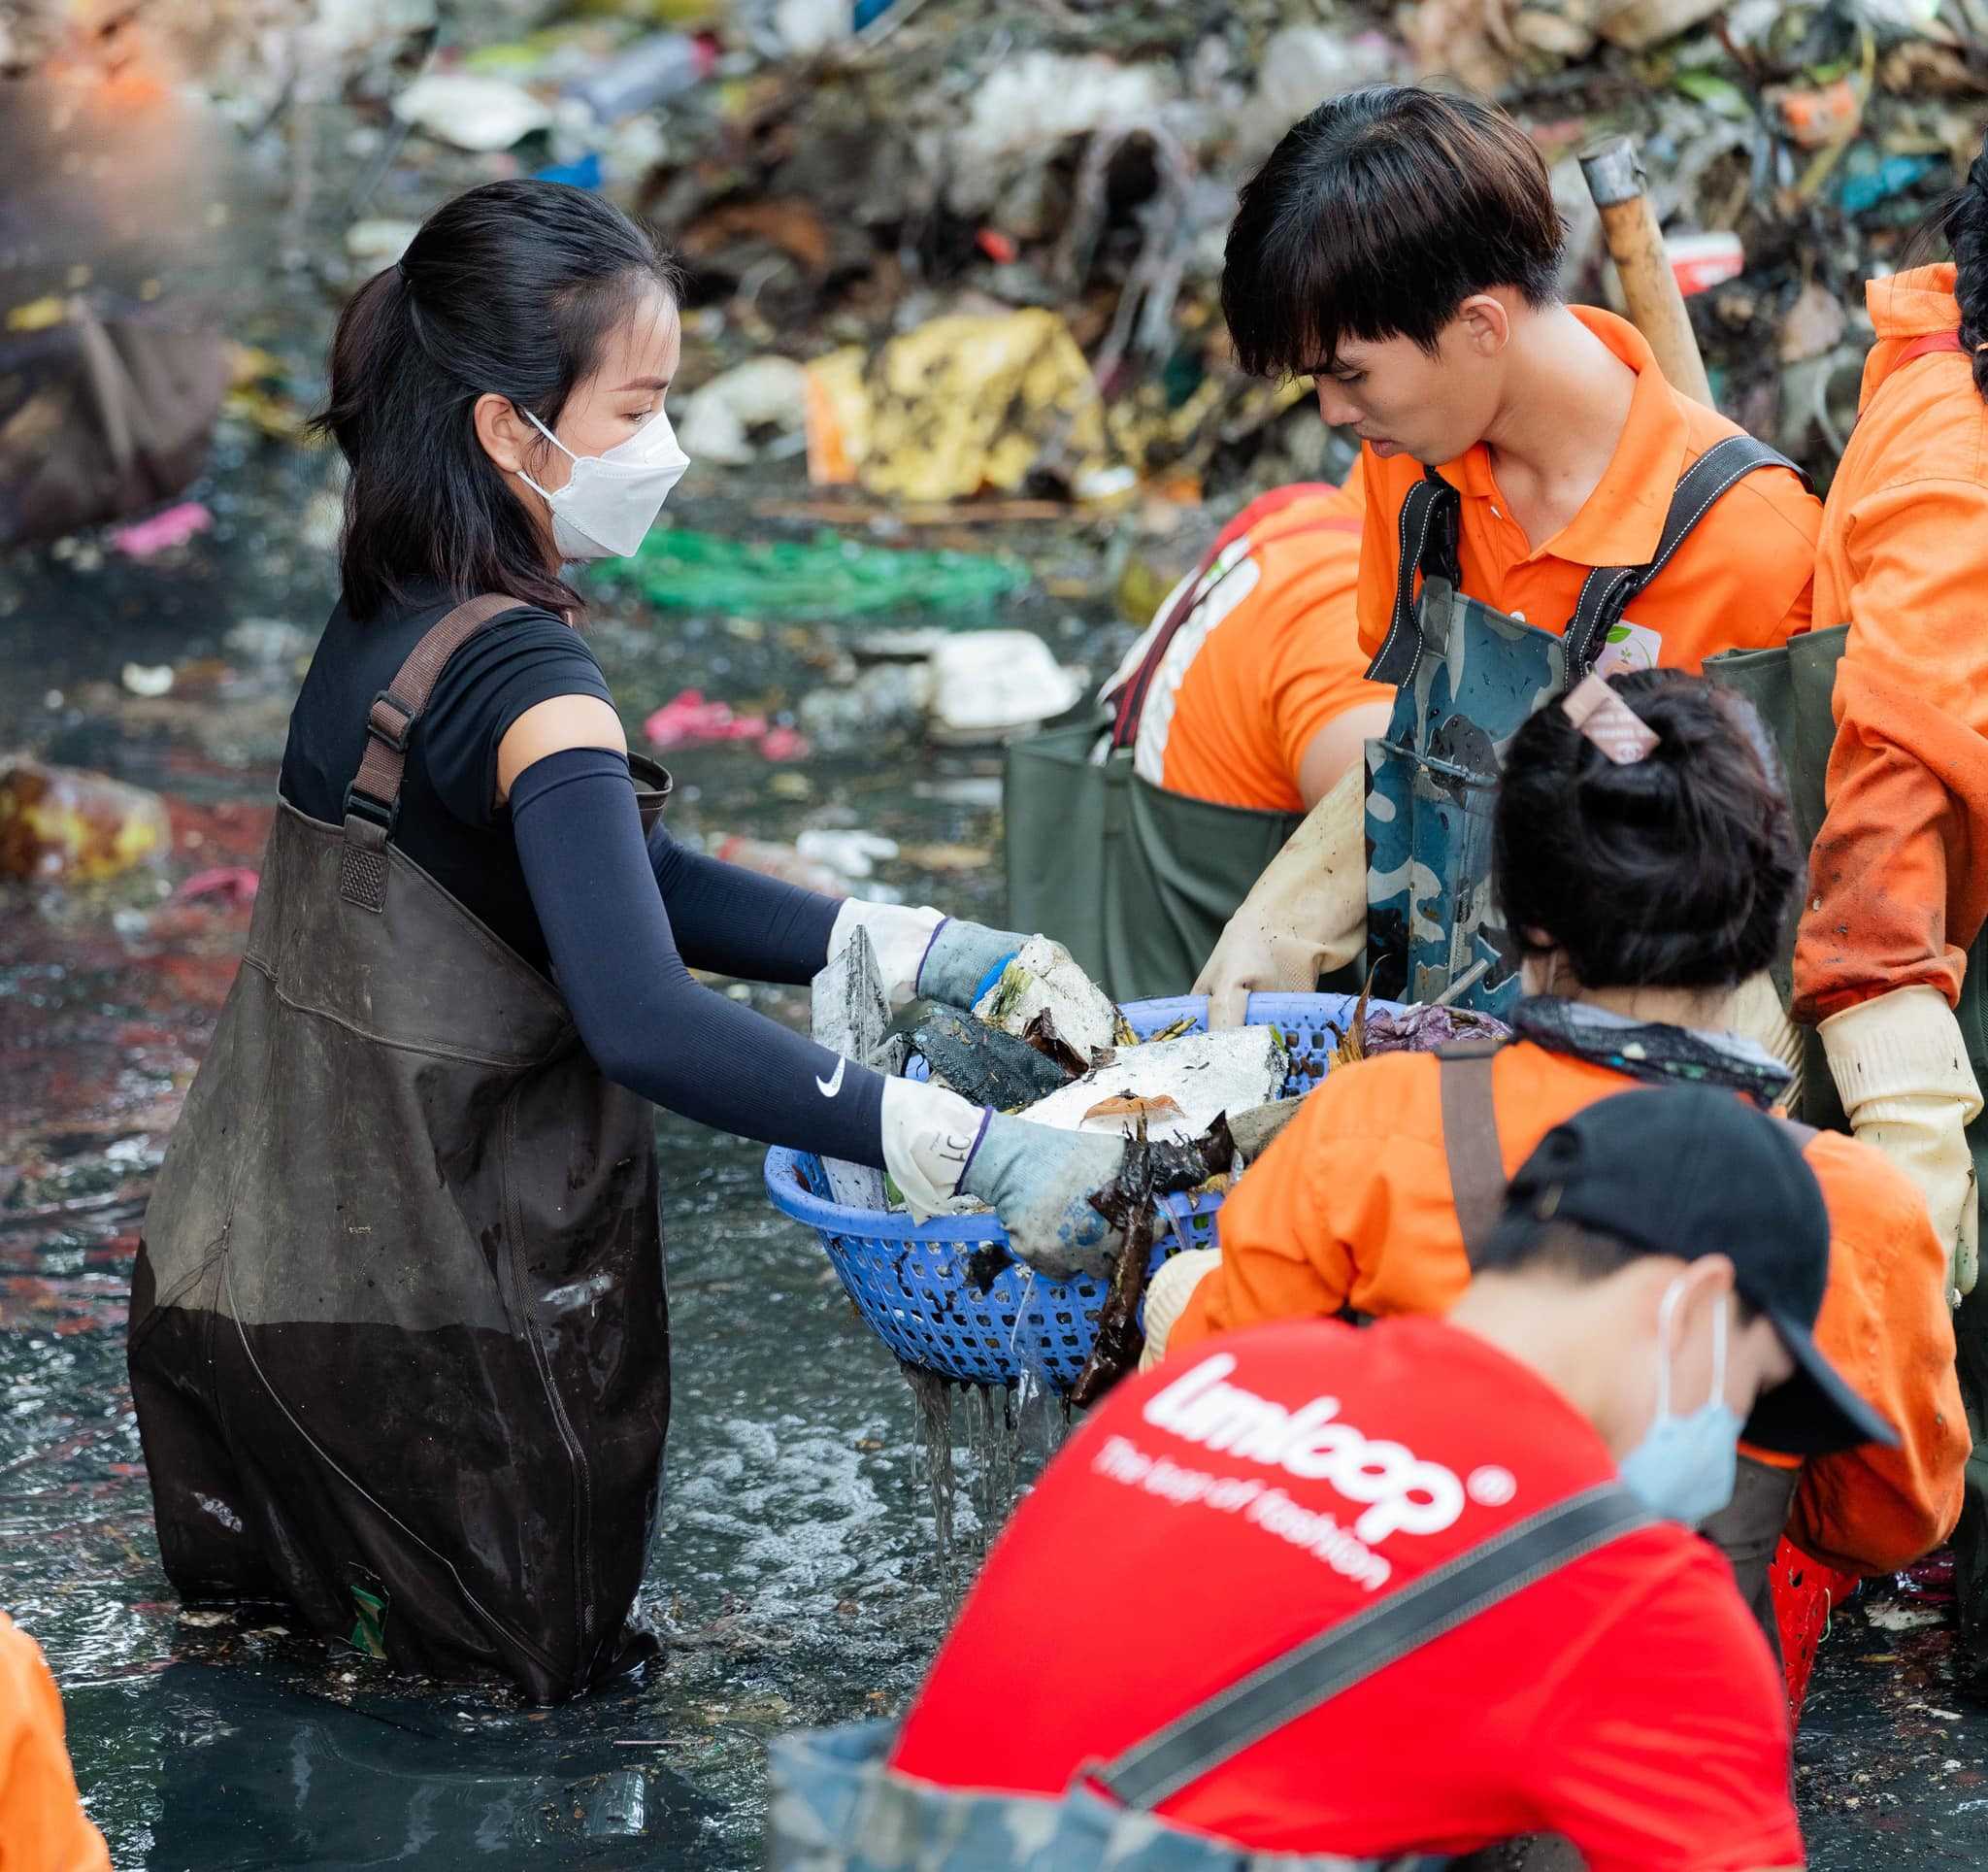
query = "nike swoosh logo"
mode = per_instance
[{"x": 828, "y": 1088}]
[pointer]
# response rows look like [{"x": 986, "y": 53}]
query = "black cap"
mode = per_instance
[{"x": 1687, "y": 1170}]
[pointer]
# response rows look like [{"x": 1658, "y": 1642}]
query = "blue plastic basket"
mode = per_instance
[{"x": 910, "y": 1279}]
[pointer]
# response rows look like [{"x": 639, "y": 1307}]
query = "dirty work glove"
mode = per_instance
[
  {"x": 899, "y": 934},
  {"x": 964, "y": 960},
  {"x": 1304, "y": 915},
  {"x": 943, "y": 1154},
  {"x": 1755, "y": 1012},
  {"x": 1167, "y": 1295},
  {"x": 1900, "y": 1069}
]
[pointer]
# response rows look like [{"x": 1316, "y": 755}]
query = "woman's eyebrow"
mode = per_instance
[{"x": 645, "y": 384}]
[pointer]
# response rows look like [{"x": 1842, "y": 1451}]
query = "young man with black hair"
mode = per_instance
[
  {"x": 1402, "y": 247},
  {"x": 1653, "y": 1282}
]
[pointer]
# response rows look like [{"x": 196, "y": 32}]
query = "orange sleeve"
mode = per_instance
[
  {"x": 42, "y": 1827},
  {"x": 1897, "y": 891},
  {"x": 1318, "y": 670},
  {"x": 1885, "y": 1325},
  {"x": 1350, "y": 1207}
]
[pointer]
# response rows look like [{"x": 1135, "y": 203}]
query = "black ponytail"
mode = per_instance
[
  {"x": 511, "y": 287},
  {"x": 1680, "y": 870},
  {"x": 1966, "y": 227}
]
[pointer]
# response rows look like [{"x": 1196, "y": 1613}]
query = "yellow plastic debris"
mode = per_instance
[{"x": 37, "y": 314}]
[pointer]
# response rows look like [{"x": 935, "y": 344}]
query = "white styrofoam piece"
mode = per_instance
[
  {"x": 1205, "y": 1074},
  {"x": 849, "y": 1016},
  {"x": 1041, "y": 978}
]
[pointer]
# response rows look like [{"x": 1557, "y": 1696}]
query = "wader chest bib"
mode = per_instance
[
  {"x": 838, "y": 1806},
  {"x": 1137, "y": 882},
  {"x": 399, "y": 1342},
  {"x": 1466, "y": 678}
]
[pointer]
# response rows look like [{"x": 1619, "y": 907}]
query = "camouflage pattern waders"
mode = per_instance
[{"x": 1466, "y": 677}]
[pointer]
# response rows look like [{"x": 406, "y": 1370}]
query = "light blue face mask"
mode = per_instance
[{"x": 1685, "y": 1467}]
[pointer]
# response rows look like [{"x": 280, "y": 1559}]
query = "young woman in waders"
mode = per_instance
[
  {"x": 1644, "y": 895},
  {"x": 399, "y": 1340},
  {"x": 1889, "y": 961}
]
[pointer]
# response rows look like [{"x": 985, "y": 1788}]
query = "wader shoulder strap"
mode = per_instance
[
  {"x": 1429, "y": 516},
  {"x": 1346, "y": 1654},
  {"x": 1609, "y": 589},
  {"x": 1129, "y": 702},
  {"x": 1469, "y": 1140},
  {"x": 373, "y": 799}
]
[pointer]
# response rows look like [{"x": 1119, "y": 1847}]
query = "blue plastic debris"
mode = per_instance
[
  {"x": 583, "y": 173},
  {"x": 1863, "y": 188}
]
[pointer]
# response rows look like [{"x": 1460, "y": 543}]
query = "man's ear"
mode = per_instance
[
  {"x": 506, "y": 436},
  {"x": 1485, "y": 323}
]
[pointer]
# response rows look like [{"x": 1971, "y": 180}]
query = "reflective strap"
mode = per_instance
[
  {"x": 1469, "y": 1140},
  {"x": 1129, "y": 701},
  {"x": 1312, "y": 1673},
  {"x": 1428, "y": 527},
  {"x": 1608, "y": 589}
]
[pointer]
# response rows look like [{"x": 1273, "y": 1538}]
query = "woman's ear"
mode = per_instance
[{"x": 505, "y": 435}]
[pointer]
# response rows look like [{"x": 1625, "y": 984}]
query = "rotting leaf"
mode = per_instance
[
  {"x": 1041, "y": 1033},
  {"x": 1161, "y": 1105}
]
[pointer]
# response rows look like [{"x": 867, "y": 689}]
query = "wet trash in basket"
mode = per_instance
[
  {"x": 851, "y": 1017},
  {"x": 1202, "y": 1077},
  {"x": 1048, "y": 1001},
  {"x": 980, "y": 1063}
]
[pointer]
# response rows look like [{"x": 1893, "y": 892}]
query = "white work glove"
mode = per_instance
[
  {"x": 1167, "y": 1295},
  {"x": 900, "y": 935},
  {"x": 1039, "y": 1181},
  {"x": 1902, "y": 1071},
  {"x": 1755, "y": 1012},
  {"x": 1306, "y": 916}
]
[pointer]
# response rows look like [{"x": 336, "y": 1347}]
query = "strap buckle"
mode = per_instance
[
  {"x": 391, "y": 719},
  {"x": 374, "y": 812}
]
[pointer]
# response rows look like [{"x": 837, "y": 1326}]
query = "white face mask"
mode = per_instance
[{"x": 611, "y": 501}]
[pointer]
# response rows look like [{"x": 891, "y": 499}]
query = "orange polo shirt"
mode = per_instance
[
  {"x": 1900, "y": 871},
  {"x": 1270, "y": 653},
  {"x": 42, "y": 1827},
  {"x": 1351, "y": 1206},
  {"x": 1739, "y": 582}
]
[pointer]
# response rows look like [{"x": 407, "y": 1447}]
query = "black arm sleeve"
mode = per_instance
[
  {"x": 648, "y": 1025},
  {"x": 738, "y": 922}
]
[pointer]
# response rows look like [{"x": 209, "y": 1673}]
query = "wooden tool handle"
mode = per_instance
[{"x": 1636, "y": 244}]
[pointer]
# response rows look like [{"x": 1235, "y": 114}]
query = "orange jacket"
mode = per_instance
[
  {"x": 1269, "y": 656},
  {"x": 42, "y": 1827},
  {"x": 1352, "y": 1207},
  {"x": 1741, "y": 582},
  {"x": 1898, "y": 879}
]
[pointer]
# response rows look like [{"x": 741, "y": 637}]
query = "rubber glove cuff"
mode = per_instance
[
  {"x": 963, "y": 960},
  {"x": 899, "y": 933},
  {"x": 1902, "y": 1070}
]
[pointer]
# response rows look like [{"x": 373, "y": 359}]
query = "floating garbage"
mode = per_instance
[
  {"x": 982, "y": 1064},
  {"x": 471, "y": 111},
  {"x": 826, "y": 577},
  {"x": 65, "y": 823},
  {"x": 993, "y": 685},
  {"x": 1172, "y": 1089},
  {"x": 721, "y": 418},
  {"x": 1043, "y": 997},
  {"x": 169, "y": 528},
  {"x": 653, "y": 69}
]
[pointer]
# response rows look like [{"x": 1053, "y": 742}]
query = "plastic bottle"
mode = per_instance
[{"x": 651, "y": 70}]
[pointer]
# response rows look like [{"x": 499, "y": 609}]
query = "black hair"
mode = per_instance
[
  {"x": 510, "y": 287},
  {"x": 1376, "y": 217},
  {"x": 1680, "y": 870},
  {"x": 1582, "y": 1256},
  {"x": 1964, "y": 224}
]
